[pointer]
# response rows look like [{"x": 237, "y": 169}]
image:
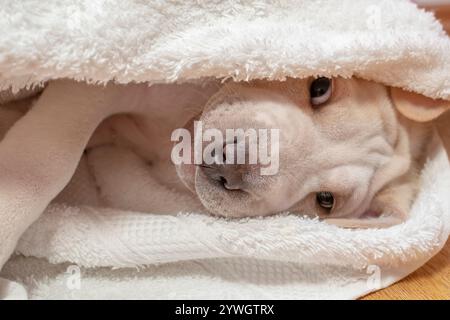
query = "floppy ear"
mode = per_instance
[{"x": 417, "y": 107}]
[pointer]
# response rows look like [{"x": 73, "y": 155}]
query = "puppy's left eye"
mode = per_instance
[
  {"x": 325, "y": 199},
  {"x": 320, "y": 91}
]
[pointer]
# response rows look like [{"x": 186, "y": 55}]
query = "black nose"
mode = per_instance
[{"x": 228, "y": 176}]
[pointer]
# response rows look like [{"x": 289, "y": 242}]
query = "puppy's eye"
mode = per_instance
[
  {"x": 325, "y": 199},
  {"x": 320, "y": 91}
]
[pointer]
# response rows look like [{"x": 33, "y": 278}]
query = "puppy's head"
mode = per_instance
[{"x": 339, "y": 142}]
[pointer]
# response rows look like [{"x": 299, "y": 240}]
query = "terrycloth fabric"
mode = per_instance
[
  {"x": 195, "y": 256},
  {"x": 388, "y": 41}
]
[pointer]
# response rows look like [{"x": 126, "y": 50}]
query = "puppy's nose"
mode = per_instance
[{"x": 228, "y": 175}]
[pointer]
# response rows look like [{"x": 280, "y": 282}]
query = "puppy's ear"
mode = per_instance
[{"x": 417, "y": 107}]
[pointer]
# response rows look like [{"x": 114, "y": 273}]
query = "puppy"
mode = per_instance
[
  {"x": 347, "y": 155},
  {"x": 348, "y": 151}
]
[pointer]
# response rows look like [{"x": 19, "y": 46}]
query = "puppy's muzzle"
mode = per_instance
[{"x": 228, "y": 174}]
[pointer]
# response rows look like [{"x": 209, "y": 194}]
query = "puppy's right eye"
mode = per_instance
[{"x": 320, "y": 91}]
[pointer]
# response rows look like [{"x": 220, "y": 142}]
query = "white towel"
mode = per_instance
[{"x": 196, "y": 256}]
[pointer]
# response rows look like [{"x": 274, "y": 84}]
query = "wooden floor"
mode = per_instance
[{"x": 432, "y": 281}]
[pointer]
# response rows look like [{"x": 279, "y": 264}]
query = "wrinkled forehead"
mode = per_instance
[{"x": 356, "y": 108}]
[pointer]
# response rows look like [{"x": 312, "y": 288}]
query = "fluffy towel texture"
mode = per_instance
[
  {"x": 387, "y": 41},
  {"x": 391, "y": 42}
]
